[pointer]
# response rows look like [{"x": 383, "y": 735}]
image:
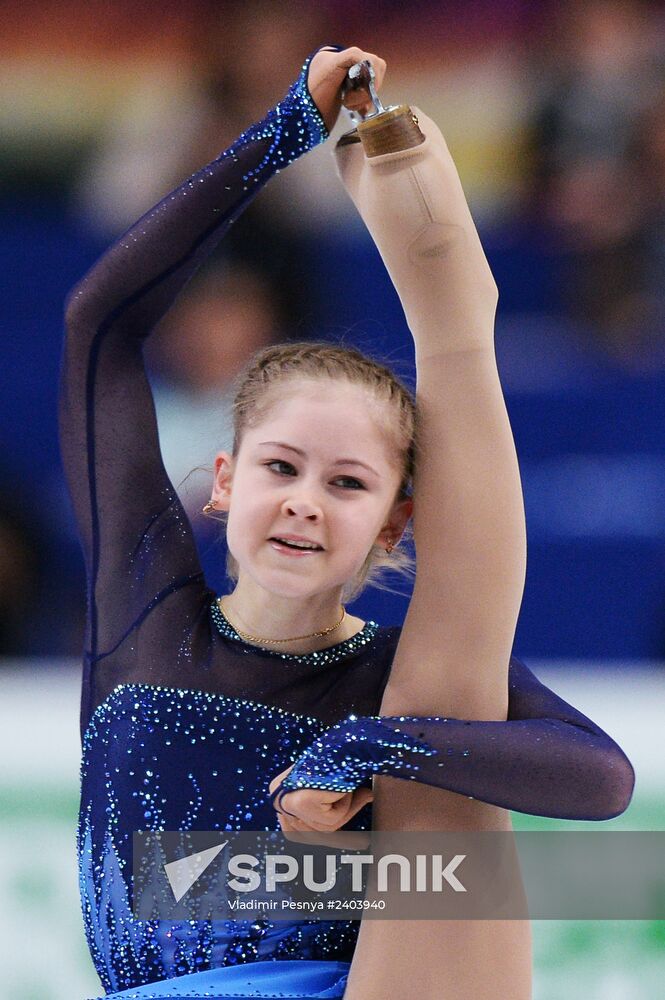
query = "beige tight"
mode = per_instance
[{"x": 453, "y": 655}]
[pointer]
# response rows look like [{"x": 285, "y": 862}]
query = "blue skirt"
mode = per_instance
[{"x": 295, "y": 980}]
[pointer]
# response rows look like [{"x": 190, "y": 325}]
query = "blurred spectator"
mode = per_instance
[
  {"x": 41, "y": 602},
  {"x": 228, "y": 312},
  {"x": 18, "y": 576},
  {"x": 596, "y": 173},
  {"x": 242, "y": 59},
  {"x": 651, "y": 144}
]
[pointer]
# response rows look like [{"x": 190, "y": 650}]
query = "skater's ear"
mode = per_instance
[
  {"x": 222, "y": 482},
  {"x": 397, "y": 521}
]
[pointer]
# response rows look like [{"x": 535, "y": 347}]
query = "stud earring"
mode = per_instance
[
  {"x": 210, "y": 506},
  {"x": 389, "y": 546}
]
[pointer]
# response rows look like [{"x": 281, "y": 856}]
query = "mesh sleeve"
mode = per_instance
[{"x": 547, "y": 758}]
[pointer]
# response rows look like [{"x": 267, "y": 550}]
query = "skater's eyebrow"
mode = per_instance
[{"x": 339, "y": 461}]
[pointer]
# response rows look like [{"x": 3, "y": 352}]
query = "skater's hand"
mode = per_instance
[
  {"x": 327, "y": 72},
  {"x": 314, "y": 809}
]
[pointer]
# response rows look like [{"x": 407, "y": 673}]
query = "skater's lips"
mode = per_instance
[{"x": 294, "y": 538}]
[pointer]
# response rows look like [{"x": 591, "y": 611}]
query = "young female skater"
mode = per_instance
[{"x": 195, "y": 709}]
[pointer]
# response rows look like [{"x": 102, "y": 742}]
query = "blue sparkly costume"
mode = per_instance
[{"x": 183, "y": 723}]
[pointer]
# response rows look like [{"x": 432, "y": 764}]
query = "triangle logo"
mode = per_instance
[{"x": 183, "y": 873}]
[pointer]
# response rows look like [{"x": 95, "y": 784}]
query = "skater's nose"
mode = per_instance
[{"x": 303, "y": 503}]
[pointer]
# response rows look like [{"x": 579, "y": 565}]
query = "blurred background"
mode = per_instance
[{"x": 555, "y": 115}]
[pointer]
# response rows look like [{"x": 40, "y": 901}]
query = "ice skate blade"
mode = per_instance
[{"x": 348, "y": 139}]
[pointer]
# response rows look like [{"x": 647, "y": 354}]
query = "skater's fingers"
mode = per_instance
[
  {"x": 359, "y": 99},
  {"x": 327, "y": 72}
]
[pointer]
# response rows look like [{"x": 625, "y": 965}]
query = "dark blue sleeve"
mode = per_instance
[
  {"x": 547, "y": 758},
  {"x": 138, "y": 545}
]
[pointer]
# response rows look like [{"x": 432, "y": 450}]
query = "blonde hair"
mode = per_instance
[{"x": 257, "y": 389}]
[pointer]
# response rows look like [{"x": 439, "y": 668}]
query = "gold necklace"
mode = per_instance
[{"x": 296, "y": 638}]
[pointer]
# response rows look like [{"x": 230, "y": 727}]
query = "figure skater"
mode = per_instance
[{"x": 272, "y": 704}]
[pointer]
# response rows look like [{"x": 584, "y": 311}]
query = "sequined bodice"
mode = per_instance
[{"x": 169, "y": 758}]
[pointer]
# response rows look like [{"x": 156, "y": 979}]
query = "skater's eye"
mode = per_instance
[
  {"x": 355, "y": 483},
  {"x": 277, "y": 461}
]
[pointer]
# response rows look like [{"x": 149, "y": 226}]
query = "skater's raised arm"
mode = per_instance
[{"x": 136, "y": 539}]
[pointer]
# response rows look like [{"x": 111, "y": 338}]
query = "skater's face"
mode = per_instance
[{"x": 318, "y": 466}]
